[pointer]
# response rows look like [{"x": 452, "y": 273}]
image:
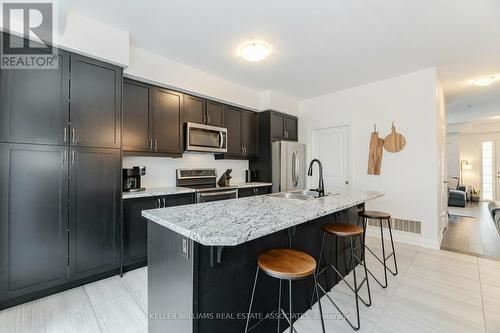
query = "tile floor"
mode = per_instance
[{"x": 435, "y": 291}]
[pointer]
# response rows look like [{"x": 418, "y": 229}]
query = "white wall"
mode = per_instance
[
  {"x": 160, "y": 171},
  {"x": 273, "y": 100},
  {"x": 442, "y": 165},
  {"x": 409, "y": 178},
  {"x": 453, "y": 153}
]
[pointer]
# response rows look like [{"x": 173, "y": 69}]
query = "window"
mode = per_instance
[{"x": 487, "y": 171}]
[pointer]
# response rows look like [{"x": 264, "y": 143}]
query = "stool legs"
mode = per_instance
[
  {"x": 355, "y": 289},
  {"x": 280, "y": 311},
  {"x": 383, "y": 261}
]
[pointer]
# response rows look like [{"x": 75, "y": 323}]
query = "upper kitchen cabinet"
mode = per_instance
[
  {"x": 95, "y": 103},
  {"x": 215, "y": 114},
  {"x": 195, "y": 109},
  {"x": 242, "y": 133},
  {"x": 232, "y": 121},
  {"x": 137, "y": 116},
  {"x": 202, "y": 111},
  {"x": 34, "y": 104},
  {"x": 33, "y": 218},
  {"x": 282, "y": 126},
  {"x": 167, "y": 122},
  {"x": 250, "y": 133}
]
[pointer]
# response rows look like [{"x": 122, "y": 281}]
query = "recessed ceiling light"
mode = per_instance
[
  {"x": 484, "y": 81},
  {"x": 254, "y": 51}
]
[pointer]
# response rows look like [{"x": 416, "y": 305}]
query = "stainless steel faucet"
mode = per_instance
[{"x": 321, "y": 186}]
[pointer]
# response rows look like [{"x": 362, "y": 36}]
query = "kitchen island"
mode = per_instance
[{"x": 202, "y": 258}]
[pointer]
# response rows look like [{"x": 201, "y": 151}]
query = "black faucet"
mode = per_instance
[{"x": 321, "y": 187}]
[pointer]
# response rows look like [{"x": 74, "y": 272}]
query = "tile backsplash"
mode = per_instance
[{"x": 160, "y": 171}]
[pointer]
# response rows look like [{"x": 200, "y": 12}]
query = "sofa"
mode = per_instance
[
  {"x": 457, "y": 195},
  {"x": 494, "y": 207}
]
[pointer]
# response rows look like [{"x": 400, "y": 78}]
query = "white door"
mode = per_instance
[
  {"x": 497, "y": 169},
  {"x": 331, "y": 146}
]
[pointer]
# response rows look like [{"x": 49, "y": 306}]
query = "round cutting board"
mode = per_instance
[{"x": 394, "y": 142}]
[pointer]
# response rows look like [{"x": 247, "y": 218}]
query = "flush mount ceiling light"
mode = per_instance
[
  {"x": 254, "y": 51},
  {"x": 484, "y": 81}
]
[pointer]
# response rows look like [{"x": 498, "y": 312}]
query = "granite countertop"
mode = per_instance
[
  {"x": 152, "y": 192},
  {"x": 236, "y": 221}
]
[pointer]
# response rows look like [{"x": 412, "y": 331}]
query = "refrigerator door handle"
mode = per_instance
[
  {"x": 297, "y": 168},
  {"x": 295, "y": 180}
]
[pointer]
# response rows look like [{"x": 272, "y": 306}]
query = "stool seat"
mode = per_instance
[
  {"x": 343, "y": 229},
  {"x": 287, "y": 264},
  {"x": 373, "y": 214}
]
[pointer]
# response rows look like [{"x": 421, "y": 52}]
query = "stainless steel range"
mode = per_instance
[{"x": 204, "y": 181}]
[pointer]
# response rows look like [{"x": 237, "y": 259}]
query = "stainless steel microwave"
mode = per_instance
[{"x": 205, "y": 138}]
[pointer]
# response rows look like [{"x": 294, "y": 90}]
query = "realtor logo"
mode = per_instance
[{"x": 34, "y": 21}]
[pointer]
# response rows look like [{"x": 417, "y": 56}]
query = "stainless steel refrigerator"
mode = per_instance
[{"x": 289, "y": 166}]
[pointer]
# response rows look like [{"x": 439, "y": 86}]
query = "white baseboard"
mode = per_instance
[{"x": 404, "y": 237}]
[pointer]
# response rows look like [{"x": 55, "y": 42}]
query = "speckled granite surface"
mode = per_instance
[
  {"x": 236, "y": 221},
  {"x": 152, "y": 192}
]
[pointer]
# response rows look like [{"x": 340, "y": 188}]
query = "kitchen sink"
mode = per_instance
[{"x": 298, "y": 195}]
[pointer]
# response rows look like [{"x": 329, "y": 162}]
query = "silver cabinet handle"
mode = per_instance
[
  {"x": 150, "y": 144},
  {"x": 73, "y": 135},
  {"x": 159, "y": 202},
  {"x": 245, "y": 150},
  {"x": 242, "y": 150},
  {"x": 65, "y": 156},
  {"x": 65, "y": 133},
  {"x": 156, "y": 145},
  {"x": 208, "y": 118},
  {"x": 164, "y": 202},
  {"x": 256, "y": 191},
  {"x": 73, "y": 156}
]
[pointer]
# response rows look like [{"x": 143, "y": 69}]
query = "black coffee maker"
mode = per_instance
[{"x": 132, "y": 179}]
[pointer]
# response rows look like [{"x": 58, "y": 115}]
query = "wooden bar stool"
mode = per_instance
[
  {"x": 353, "y": 232},
  {"x": 286, "y": 264},
  {"x": 381, "y": 217}
]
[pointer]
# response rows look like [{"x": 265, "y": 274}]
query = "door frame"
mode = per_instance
[{"x": 310, "y": 130}]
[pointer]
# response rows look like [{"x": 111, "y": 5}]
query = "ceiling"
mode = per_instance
[{"x": 320, "y": 46}]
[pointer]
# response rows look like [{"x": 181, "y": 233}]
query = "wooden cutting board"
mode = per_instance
[
  {"x": 375, "y": 154},
  {"x": 394, "y": 142}
]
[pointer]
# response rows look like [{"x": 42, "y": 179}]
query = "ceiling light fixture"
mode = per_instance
[
  {"x": 484, "y": 81},
  {"x": 254, "y": 51}
]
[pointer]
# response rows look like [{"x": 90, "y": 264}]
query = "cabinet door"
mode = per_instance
[
  {"x": 215, "y": 114},
  {"x": 291, "y": 132},
  {"x": 95, "y": 200},
  {"x": 277, "y": 126},
  {"x": 33, "y": 218},
  {"x": 261, "y": 190},
  {"x": 232, "y": 120},
  {"x": 95, "y": 103},
  {"x": 179, "y": 200},
  {"x": 246, "y": 192},
  {"x": 250, "y": 133},
  {"x": 135, "y": 235},
  {"x": 34, "y": 104},
  {"x": 137, "y": 116},
  {"x": 194, "y": 109},
  {"x": 167, "y": 121}
]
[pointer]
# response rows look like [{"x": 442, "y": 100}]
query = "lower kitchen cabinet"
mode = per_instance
[
  {"x": 135, "y": 249},
  {"x": 253, "y": 191},
  {"x": 94, "y": 222},
  {"x": 33, "y": 218}
]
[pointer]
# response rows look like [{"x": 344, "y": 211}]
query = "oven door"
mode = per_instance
[
  {"x": 216, "y": 196},
  {"x": 205, "y": 138}
]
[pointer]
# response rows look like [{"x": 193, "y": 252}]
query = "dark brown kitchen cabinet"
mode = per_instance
[
  {"x": 215, "y": 113},
  {"x": 33, "y": 218},
  {"x": 250, "y": 133},
  {"x": 167, "y": 122},
  {"x": 95, "y": 103},
  {"x": 94, "y": 211},
  {"x": 138, "y": 107},
  {"x": 135, "y": 249},
  {"x": 253, "y": 191},
  {"x": 195, "y": 109},
  {"x": 233, "y": 122},
  {"x": 242, "y": 133},
  {"x": 34, "y": 104},
  {"x": 282, "y": 126}
]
